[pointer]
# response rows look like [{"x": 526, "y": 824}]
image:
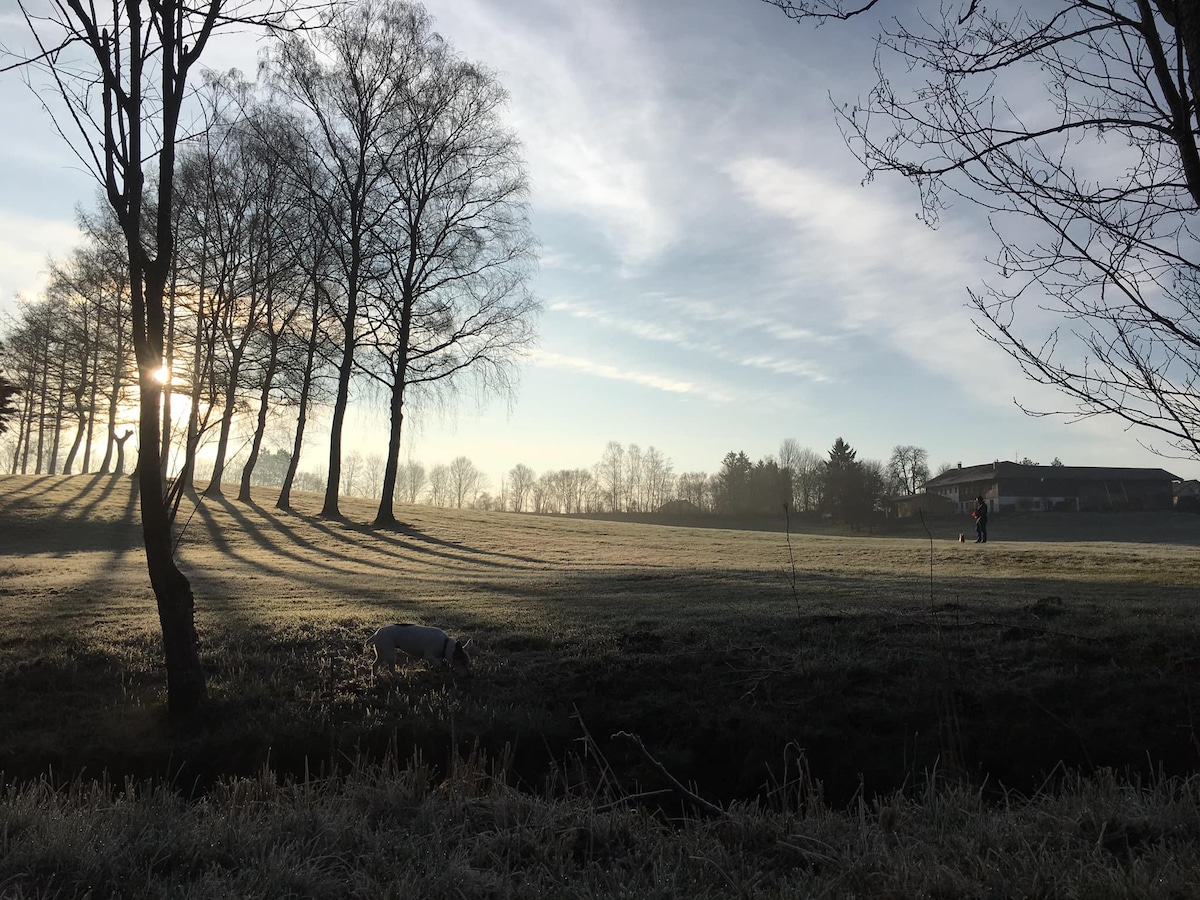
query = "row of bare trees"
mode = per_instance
[
  {"x": 73, "y": 362},
  {"x": 359, "y": 219},
  {"x": 355, "y": 222}
]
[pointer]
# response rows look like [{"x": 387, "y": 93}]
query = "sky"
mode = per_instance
[{"x": 715, "y": 275}]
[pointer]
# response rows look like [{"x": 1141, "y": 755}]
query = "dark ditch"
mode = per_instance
[{"x": 712, "y": 726}]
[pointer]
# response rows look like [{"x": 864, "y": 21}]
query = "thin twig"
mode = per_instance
[
  {"x": 787, "y": 529},
  {"x": 704, "y": 806}
]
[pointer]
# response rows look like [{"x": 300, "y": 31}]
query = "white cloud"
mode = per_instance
[
  {"x": 740, "y": 317},
  {"x": 889, "y": 269},
  {"x": 702, "y": 341},
  {"x": 23, "y": 243},
  {"x": 668, "y": 384},
  {"x": 585, "y": 104},
  {"x": 886, "y": 275}
]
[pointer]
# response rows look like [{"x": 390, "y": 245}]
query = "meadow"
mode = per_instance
[{"x": 872, "y": 714}]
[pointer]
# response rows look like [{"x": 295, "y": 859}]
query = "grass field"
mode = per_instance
[{"x": 818, "y": 675}]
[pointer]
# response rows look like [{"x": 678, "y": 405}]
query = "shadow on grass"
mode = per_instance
[
  {"x": 866, "y": 681},
  {"x": 31, "y": 528},
  {"x": 341, "y": 552},
  {"x": 866, "y": 700}
]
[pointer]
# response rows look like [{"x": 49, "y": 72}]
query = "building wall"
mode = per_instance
[{"x": 1060, "y": 494}]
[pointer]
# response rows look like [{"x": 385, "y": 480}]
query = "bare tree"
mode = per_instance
[
  {"x": 35, "y": 345},
  {"x": 439, "y": 485},
  {"x": 789, "y": 458},
  {"x": 520, "y": 483},
  {"x": 349, "y": 81},
  {"x": 309, "y": 345},
  {"x": 76, "y": 288},
  {"x": 611, "y": 477},
  {"x": 122, "y": 75},
  {"x": 659, "y": 478},
  {"x": 1092, "y": 186},
  {"x": 541, "y": 494},
  {"x": 232, "y": 177},
  {"x": 411, "y": 481},
  {"x": 908, "y": 468},
  {"x": 695, "y": 489},
  {"x": 455, "y": 302},
  {"x": 277, "y": 267},
  {"x": 465, "y": 481},
  {"x": 635, "y": 482},
  {"x": 577, "y": 486},
  {"x": 109, "y": 259},
  {"x": 352, "y": 466},
  {"x": 373, "y": 470}
]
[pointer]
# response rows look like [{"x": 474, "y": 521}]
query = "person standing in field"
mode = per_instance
[{"x": 980, "y": 517}]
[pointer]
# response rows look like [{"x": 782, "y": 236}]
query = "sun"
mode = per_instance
[{"x": 162, "y": 374}]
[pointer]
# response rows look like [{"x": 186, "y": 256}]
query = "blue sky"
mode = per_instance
[{"x": 715, "y": 275}]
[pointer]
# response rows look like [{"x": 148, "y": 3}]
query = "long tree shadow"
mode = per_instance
[
  {"x": 33, "y": 529},
  {"x": 324, "y": 563},
  {"x": 17, "y": 501},
  {"x": 401, "y": 536},
  {"x": 415, "y": 534},
  {"x": 418, "y": 542}
]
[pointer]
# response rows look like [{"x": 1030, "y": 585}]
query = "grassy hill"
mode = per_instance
[{"x": 816, "y": 680}]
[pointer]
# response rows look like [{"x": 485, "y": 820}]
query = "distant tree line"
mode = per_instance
[{"x": 629, "y": 479}]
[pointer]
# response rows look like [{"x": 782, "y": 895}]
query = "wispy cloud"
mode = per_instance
[
  {"x": 666, "y": 383},
  {"x": 888, "y": 269},
  {"x": 23, "y": 243},
  {"x": 584, "y": 102},
  {"x": 684, "y": 333},
  {"x": 742, "y": 316},
  {"x": 887, "y": 275}
]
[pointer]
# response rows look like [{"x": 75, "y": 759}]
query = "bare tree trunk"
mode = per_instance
[
  {"x": 199, "y": 354},
  {"x": 330, "y": 509},
  {"x": 260, "y": 428},
  {"x": 60, "y": 397},
  {"x": 119, "y": 443},
  {"x": 172, "y": 590},
  {"x": 285, "y": 493},
  {"x": 81, "y": 426},
  {"x": 214, "y": 488},
  {"x": 24, "y": 433},
  {"x": 42, "y": 396},
  {"x": 93, "y": 388},
  {"x": 386, "y": 516},
  {"x": 165, "y": 462},
  {"x": 110, "y": 443}
]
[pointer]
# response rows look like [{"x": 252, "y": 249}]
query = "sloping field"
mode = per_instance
[
  {"x": 862, "y": 707},
  {"x": 732, "y": 653}
]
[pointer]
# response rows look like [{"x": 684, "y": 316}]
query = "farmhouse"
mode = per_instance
[{"x": 1009, "y": 486}]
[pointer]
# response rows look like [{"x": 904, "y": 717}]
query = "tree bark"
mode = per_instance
[{"x": 186, "y": 687}]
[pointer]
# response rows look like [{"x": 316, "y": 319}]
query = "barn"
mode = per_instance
[{"x": 1009, "y": 486}]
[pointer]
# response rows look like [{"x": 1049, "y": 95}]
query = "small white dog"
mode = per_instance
[{"x": 421, "y": 642}]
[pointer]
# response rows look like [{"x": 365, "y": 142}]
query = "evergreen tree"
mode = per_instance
[
  {"x": 733, "y": 483},
  {"x": 843, "y": 482}
]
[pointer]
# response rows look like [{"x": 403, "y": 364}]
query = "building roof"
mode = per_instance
[{"x": 1007, "y": 470}]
